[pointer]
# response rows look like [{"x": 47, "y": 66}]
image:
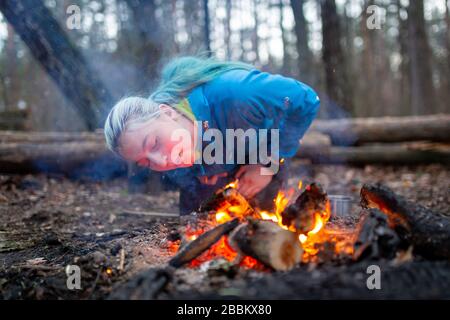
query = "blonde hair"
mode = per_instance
[{"x": 126, "y": 111}]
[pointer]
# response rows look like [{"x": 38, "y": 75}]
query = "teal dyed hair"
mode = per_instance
[
  {"x": 181, "y": 75},
  {"x": 178, "y": 78}
]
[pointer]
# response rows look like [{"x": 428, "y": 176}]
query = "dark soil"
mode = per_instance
[{"x": 48, "y": 222}]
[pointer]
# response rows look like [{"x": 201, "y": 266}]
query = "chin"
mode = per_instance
[{"x": 184, "y": 165}]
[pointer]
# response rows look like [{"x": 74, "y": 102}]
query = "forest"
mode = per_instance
[
  {"x": 359, "y": 210},
  {"x": 366, "y": 58}
]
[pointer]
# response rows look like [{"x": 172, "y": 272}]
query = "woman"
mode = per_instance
[{"x": 196, "y": 97}]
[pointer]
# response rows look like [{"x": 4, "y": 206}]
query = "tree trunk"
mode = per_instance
[
  {"x": 206, "y": 27},
  {"x": 228, "y": 7},
  {"x": 150, "y": 45},
  {"x": 447, "y": 19},
  {"x": 336, "y": 78},
  {"x": 51, "y": 47},
  {"x": 423, "y": 98},
  {"x": 301, "y": 32},
  {"x": 405, "y": 99},
  {"x": 13, "y": 87},
  {"x": 255, "y": 37},
  {"x": 285, "y": 68},
  {"x": 388, "y": 129},
  {"x": 192, "y": 16}
]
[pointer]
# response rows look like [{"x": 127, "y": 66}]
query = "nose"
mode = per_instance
[{"x": 157, "y": 158}]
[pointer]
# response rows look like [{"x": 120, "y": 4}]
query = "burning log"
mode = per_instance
[
  {"x": 265, "y": 241},
  {"x": 196, "y": 247},
  {"x": 228, "y": 198},
  {"x": 374, "y": 238},
  {"x": 301, "y": 215},
  {"x": 427, "y": 231}
]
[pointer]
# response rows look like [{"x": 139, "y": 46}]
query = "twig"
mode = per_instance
[
  {"x": 151, "y": 214},
  {"x": 122, "y": 260}
]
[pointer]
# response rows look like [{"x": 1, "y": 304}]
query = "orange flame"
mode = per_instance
[{"x": 227, "y": 212}]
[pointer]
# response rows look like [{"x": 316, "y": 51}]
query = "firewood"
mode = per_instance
[
  {"x": 300, "y": 216},
  {"x": 374, "y": 238},
  {"x": 231, "y": 197},
  {"x": 267, "y": 242},
  {"x": 427, "y": 231},
  {"x": 196, "y": 247}
]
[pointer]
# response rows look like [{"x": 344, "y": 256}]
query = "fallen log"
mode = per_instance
[
  {"x": 196, "y": 247},
  {"x": 67, "y": 157},
  {"x": 374, "y": 238},
  {"x": 50, "y": 137},
  {"x": 346, "y": 132},
  {"x": 265, "y": 241},
  {"x": 66, "y": 153},
  {"x": 402, "y": 154},
  {"x": 301, "y": 215},
  {"x": 427, "y": 231}
]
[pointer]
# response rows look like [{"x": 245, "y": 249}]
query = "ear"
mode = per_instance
[{"x": 169, "y": 111}]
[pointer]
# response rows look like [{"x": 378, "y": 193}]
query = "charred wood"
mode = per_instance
[
  {"x": 300, "y": 216},
  {"x": 427, "y": 231},
  {"x": 374, "y": 238},
  {"x": 196, "y": 247}
]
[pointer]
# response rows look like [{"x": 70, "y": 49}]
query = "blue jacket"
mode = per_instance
[{"x": 250, "y": 99}]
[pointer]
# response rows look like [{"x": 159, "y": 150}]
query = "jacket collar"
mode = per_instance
[
  {"x": 202, "y": 113},
  {"x": 200, "y": 106}
]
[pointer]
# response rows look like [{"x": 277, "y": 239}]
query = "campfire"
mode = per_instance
[
  {"x": 299, "y": 230},
  {"x": 228, "y": 227}
]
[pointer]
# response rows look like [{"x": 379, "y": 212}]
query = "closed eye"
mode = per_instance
[{"x": 156, "y": 145}]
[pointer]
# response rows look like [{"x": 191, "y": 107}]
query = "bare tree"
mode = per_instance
[
  {"x": 228, "y": 8},
  {"x": 447, "y": 20},
  {"x": 51, "y": 47},
  {"x": 285, "y": 67},
  {"x": 12, "y": 88},
  {"x": 301, "y": 32},
  {"x": 421, "y": 81},
  {"x": 255, "y": 36},
  {"x": 336, "y": 79},
  {"x": 150, "y": 43},
  {"x": 206, "y": 27}
]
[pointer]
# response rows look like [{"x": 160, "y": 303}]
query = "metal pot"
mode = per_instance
[{"x": 340, "y": 205}]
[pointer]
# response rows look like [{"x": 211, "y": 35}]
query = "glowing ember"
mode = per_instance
[
  {"x": 222, "y": 217},
  {"x": 233, "y": 184},
  {"x": 302, "y": 238}
]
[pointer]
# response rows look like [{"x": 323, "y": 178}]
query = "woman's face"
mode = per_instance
[{"x": 157, "y": 143}]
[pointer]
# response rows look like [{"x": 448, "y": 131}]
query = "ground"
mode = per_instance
[{"x": 48, "y": 222}]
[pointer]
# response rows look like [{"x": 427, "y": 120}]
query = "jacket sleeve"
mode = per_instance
[{"x": 262, "y": 100}]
